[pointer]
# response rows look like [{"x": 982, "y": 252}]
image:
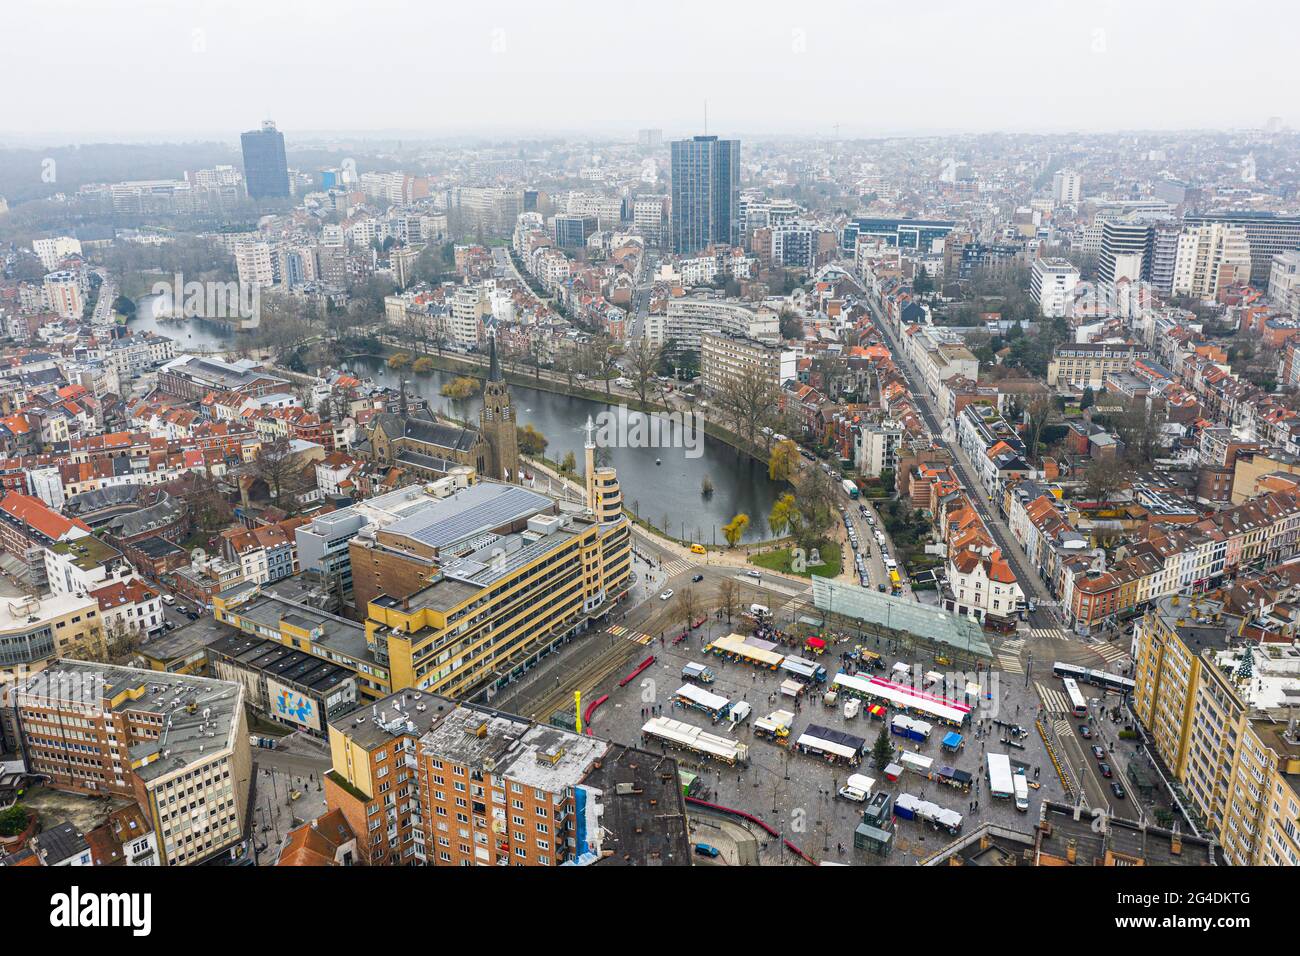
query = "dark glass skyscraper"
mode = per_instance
[
  {"x": 705, "y": 192},
  {"x": 266, "y": 171}
]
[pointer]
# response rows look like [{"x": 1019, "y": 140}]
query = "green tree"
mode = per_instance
[
  {"x": 1088, "y": 398},
  {"x": 882, "y": 752}
]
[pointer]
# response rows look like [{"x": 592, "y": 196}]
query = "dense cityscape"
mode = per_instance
[{"x": 674, "y": 496}]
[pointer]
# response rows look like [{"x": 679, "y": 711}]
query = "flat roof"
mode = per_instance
[
  {"x": 478, "y": 509},
  {"x": 281, "y": 662},
  {"x": 194, "y": 708},
  {"x": 536, "y": 755},
  {"x": 328, "y": 630},
  {"x": 642, "y": 809},
  {"x": 408, "y": 712}
]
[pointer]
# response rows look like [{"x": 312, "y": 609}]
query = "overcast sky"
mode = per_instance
[{"x": 181, "y": 69}]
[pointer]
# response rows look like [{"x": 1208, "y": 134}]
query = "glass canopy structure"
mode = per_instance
[{"x": 900, "y": 614}]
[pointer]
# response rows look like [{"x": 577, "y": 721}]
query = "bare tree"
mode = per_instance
[
  {"x": 688, "y": 606},
  {"x": 643, "y": 366},
  {"x": 278, "y": 465},
  {"x": 729, "y": 597}
]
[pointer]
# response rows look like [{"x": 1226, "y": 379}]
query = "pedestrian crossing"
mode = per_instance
[
  {"x": 1050, "y": 633},
  {"x": 674, "y": 568},
  {"x": 1054, "y": 701},
  {"x": 1010, "y": 663},
  {"x": 636, "y": 637},
  {"x": 1111, "y": 653},
  {"x": 1008, "y": 655}
]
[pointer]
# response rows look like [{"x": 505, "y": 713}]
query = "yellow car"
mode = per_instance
[{"x": 698, "y": 549}]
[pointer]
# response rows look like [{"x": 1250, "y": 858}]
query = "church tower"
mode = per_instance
[{"x": 497, "y": 422}]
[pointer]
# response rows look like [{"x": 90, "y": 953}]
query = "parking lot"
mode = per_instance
[{"x": 796, "y": 794}]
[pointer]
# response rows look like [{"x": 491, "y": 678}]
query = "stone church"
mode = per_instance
[{"x": 427, "y": 447}]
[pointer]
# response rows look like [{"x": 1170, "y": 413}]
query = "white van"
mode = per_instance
[
  {"x": 759, "y": 611},
  {"x": 168, "y": 600},
  {"x": 1020, "y": 786},
  {"x": 857, "y": 788},
  {"x": 851, "y": 708}
]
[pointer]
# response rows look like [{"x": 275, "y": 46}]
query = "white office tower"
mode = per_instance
[
  {"x": 1209, "y": 258},
  {"x": 1067, "y": 187}
]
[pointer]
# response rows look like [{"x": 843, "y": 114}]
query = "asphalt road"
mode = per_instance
[{"x": 1044, "y": 615}]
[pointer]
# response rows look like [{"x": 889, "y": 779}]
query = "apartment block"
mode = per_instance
[
  {"x": 1082, "y": 366},
  {"x": 177, "y": 745}
]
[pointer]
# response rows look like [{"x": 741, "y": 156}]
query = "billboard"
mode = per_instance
[{"x": 287, "y": 704}]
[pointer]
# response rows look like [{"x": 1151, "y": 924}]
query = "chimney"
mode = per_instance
[
  {"x": 1072, "y": 852},
  {"x": 1176, "y": 844}
]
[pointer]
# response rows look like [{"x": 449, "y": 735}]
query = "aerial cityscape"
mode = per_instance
[{"x": 681, "y": 486}]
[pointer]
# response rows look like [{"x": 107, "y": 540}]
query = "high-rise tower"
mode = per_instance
[
  {"x": 266, "y": 170},
  {"x": 705, "y": 193}
]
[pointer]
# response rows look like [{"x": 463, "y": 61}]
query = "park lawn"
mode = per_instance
[{"x": 779, "y": 560}]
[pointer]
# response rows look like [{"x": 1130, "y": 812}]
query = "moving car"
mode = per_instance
[
  {"x": 697, "y": 578},
  {"x": 698, "y": 549},
  {"x": 704, "y": 849},
  {"x": 1105, "y": 770},
  {"x": 666, "y": 595},
  {"x": 1096, "y": 751},
  {"x": 1116, "y": 789},
  {"x": 1085, "y": 731}
]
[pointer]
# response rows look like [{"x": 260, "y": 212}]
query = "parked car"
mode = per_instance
[{"x": 704, "y": 849}]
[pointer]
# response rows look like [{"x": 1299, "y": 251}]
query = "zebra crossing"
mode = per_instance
[
  {"x": 1054, "y": 701},
  {"x": 1050, "y": 633},
  {"x": 636, "y": 637},
  {"x": 1111, "y": 653},
  {"x": 674, "y": 568},
  {"x": 1009, "y": 657}
]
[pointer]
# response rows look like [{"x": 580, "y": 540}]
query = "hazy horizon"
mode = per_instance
[{"x": 205, "y": 71}]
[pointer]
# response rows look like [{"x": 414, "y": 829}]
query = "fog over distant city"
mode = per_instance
[{"x": 146, "y": 69}]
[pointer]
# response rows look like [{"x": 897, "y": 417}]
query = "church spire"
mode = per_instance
[{"x": 494, "y": 367}]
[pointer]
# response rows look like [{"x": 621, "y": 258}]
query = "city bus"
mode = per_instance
[
  {"x": 1124, "y": 685},
  {"x": 1078, "y": 706},
  {"x": 1069, "y": 670}
]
